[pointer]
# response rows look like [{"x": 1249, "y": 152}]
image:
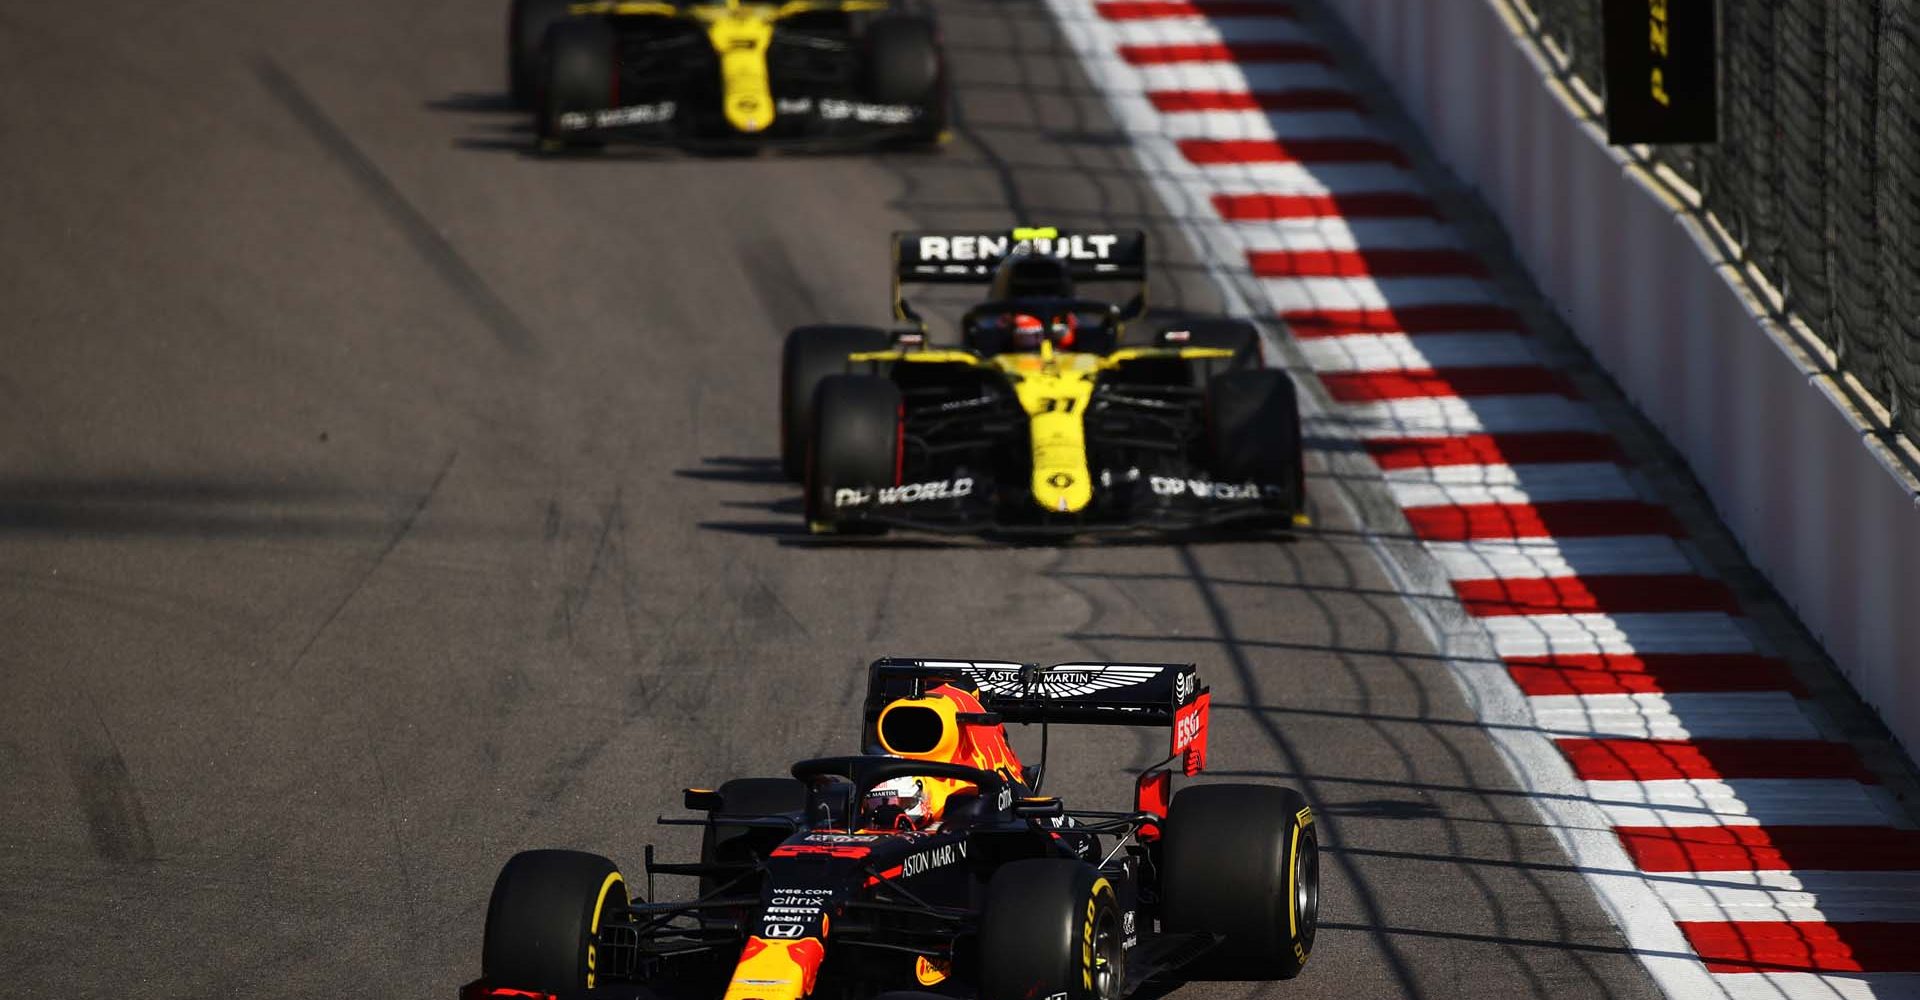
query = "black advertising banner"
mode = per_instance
[{"x": 1662, "y": 71}]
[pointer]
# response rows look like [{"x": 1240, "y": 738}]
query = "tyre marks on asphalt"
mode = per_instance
[
  {"x": 446, "y": 260},
  {"x": 116, "y": 820},
  {"x": 400, "y": 532},
  {"x": 574, "y": 596},
  {"x": 1581, "y": 578}
]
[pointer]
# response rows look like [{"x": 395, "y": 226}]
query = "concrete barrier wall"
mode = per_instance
[{"x": 1819, "y": 510}]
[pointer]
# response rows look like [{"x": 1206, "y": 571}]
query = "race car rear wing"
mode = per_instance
[
  {"x": 969, "y": 257},
  {"x": 1116, "y": 694}
]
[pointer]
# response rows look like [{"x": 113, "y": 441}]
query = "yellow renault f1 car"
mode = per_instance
[
  {"x": 1051, "y": 414},
  {"x": 731, "y": 73}
]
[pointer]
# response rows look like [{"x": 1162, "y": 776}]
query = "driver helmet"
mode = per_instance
[
  {"x": 897, "y": 804},
  {"x": 1025, "y": 331}
]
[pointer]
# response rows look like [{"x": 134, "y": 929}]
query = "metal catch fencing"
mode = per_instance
[{"x": 1816, "y": 177}]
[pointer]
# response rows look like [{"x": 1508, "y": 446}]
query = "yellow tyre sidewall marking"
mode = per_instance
[
  {"x": 1087, "y": 928},
  {"x": 1302, "y": 821},
  {"x": 600, "y": 904}
]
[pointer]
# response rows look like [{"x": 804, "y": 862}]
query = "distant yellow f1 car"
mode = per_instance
[
  {"x": 731, "y": 73},
  {"x": 1051, "y": 415}
]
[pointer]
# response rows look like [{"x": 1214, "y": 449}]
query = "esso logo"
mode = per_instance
[{"x": 1186, "y": 729}]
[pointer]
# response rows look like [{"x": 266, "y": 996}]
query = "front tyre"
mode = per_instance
[
  {"x": 527, "y": 24},
  {"x": 906, "y": 66},
  {"x": 578, "y": 79},
  {"x": 544, "y": 918},
  {"x": 810, "y": 355},
  {"x": 1243, "y": 861},
  {"x": 855, "y": 448},
  {"x": 1253, "y": 436},
  {"x": 1051, "y": 928}
]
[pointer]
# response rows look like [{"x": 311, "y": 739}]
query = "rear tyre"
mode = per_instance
[
  {"x": 811, "y": 354},
  {"x": 728, "y": 844},
  {"x": 527, "y": 24},
  {"x": 577, "y": 78},
  {"x": 1243, "y": 861},
  {"x": 855, "y": 446},
  {"x": 1234, "y": 335},
  {"x": 546, "y": 911},
  {"x": 1051, "y": 928},
  {"x": 905, "y": 66},
  {"x": 1253, "y": 436}
]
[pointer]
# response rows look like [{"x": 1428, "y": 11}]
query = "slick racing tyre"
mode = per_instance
[
  {"x": 905, "y": 66},
  {"x": 1243, "y": 861},
  {"x": 1233, "y": 335},
  {"x": 1051, "y": 928},
  {"x": 855, "y": 445},
  {"x": 1253, "y": 435},
  {"x": 730, "y": 844},
  {"x": 812, "y": 353},
  {"x": 547, "y": 908},
  {"x": 903, "y": 60},
  {"x": 577, "y": 77},
  {"x": 527, "y": 24}
]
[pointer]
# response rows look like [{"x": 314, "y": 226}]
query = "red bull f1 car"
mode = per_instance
[
  {"x": 729, "y": 73},
  {"x": 933, "y": 864},
  {"x": 1053, "y": 413}
]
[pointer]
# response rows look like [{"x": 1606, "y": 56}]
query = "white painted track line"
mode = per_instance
[
  {"x": 1691, "y": 802},
  {"x": 1794, "y": 896},
  {"x": 1695, "y": 715},
  {"x": 1301, "y": 294},
  {"x": 1235, "y": 78},
  {"x": 1205, "y": 31},
  {"x": 1485, "y": 415},
  {"x": 1269, "y": 125},
  {"x": 1465, "y": 485},
  {"x": 1334, "y": 233},
  {"x": 1500, "y": 559},
  {"x": 1674, "y": 632},
  {"x": 1289, "y": 178},
  {"x": 1398, "y": 351},
  {"x": 1814, "y": 986}
]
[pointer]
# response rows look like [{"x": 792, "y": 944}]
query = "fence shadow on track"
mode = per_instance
[{"x": 1431, "y": 804}]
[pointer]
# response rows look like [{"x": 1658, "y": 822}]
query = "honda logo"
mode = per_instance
[{"x": 784, "y": 930}]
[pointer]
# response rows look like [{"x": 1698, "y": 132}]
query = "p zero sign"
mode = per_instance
[{"x": 1663, "y": 73}]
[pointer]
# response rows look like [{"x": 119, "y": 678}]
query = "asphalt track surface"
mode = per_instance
[{"x": 377, "y": 500}]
